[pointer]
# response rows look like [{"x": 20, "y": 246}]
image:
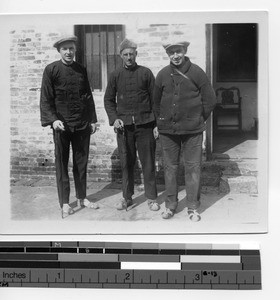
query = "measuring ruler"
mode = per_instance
[{"x": 129, "y": 265}]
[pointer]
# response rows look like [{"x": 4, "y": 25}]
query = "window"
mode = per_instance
[{"x": 98, "y": 51}]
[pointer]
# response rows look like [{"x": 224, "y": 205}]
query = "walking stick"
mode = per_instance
[{"x": 121, "y": 131}]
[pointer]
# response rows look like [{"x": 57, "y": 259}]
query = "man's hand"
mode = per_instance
[
  {"x": 58, "y": 125},
  {"x": 93, "y": 128},
  {"x": 118, "y": 124},
  {"x": 155, "y": 132}
]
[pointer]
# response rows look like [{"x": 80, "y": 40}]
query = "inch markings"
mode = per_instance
[{"x": 129, "y": 265}]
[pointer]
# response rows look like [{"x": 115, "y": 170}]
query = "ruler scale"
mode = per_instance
[{"x": 129, "y": 265}]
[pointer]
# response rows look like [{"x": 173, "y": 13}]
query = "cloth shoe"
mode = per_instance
[
  {"x": 66, "y": 210},
  {"x": 124, "y": 204},
  {"x": 194, "y": 215},
  {"x": 167, "y": 214},
  {"x": 153, "y": 205},
  {"x": 88, "y": 204}
]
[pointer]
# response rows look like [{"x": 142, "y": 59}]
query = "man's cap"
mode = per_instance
[
  {"x": 126, "y": 43},
  {"x": 169, "y": 44},
  {"x": 63, "y": 39}
]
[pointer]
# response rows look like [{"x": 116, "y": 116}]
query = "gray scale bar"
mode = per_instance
[
  {"x": 250, "y": 259},
  {"x": 117, "y": 245},
  {"x": 37, "y": 244},
  {"x": 67, "y": 257},
  {"x": 12, "y": 244},
  {"x": 64, "y": 244},
  {"x": 92, "y": 244},
  {"x": 28, "y": 256},
  {"x": 251, "y": 262},
  {"x": 148, "y": 258},
  {"x": 145, "y": 245},
  {"x": 252, "y": 267}
]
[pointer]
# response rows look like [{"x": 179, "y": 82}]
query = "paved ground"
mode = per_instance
[
  {"x": 36, "y": 200},
  {"x": 40, "y": 202}
]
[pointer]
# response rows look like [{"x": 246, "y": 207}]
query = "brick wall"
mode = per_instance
[
  {"x": 32, "y": 149},
  {"x": 31, "y": 145}
]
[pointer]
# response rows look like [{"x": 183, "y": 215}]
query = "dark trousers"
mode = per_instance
[
  {"x": 79, "y": 141},
  {"x": 129, "y": 140},
  {"x": 190, "y": 147}
]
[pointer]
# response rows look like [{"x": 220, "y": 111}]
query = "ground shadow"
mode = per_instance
[
  {"x": 217, "y": 181},
  {"x": 226, "y": 140}
]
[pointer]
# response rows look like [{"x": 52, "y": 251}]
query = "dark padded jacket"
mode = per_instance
[
  {"x": 182, "y": 104},
  {"x": 66, "y": 96},
  {"x": 128, "y": 95}
]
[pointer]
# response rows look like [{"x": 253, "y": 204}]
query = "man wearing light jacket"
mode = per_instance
[{"x": 183, "y": 100}]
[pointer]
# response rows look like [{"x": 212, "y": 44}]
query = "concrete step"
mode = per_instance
[
  {"x": 231, "y": 175},
  {"x": 232, "y": 167},
  {"x": 239, "y": 184}
]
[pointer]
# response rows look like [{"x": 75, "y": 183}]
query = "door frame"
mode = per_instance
[{"x": 209, "y": 73}]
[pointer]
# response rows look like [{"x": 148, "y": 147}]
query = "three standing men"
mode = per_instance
[
  {"x": 129, "y": 106},
  {"x": 175, "y": 105},
  {"x": 67, "y": 105},
  {"x": 183, "y": 100}
]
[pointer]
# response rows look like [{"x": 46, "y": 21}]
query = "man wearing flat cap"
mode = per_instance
[
  {"x": 128, "y": 103},
  {"x": 183, "y": 100},
  {"x": 67, "y": 105}
]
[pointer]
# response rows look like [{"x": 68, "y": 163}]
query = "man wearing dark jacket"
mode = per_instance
[
  {"x": 128, "y": 103},
  {"x": 183, "y": 100},
  {"x": 67, "y": 105}
]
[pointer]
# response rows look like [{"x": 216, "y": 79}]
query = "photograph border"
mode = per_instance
[{"x": 51, "y": 227}]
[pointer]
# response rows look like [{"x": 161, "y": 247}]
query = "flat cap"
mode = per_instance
[
  {"x": 65, "y": 39},
  {"x": 170, "y": 44},
  {"x": 126, "y": 43}
]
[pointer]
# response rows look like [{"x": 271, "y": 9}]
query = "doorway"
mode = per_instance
[{"x": 235, "y": 69}]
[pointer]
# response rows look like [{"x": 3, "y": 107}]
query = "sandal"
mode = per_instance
[
  {"x": 86, "y": 203},
  {"x": 194, "y": 215},
  {"x": 154, "y": 206},
  {"x": 167, "y": 214},
  {"x": 124, "y": 204},
  {"x": 66, "y": 210}
]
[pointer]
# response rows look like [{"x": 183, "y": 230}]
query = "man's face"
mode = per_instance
[
  {"x": 67, "y": 51},
  {"x": 176, "y": 55},
  {"x": 129, "y": 56}
]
